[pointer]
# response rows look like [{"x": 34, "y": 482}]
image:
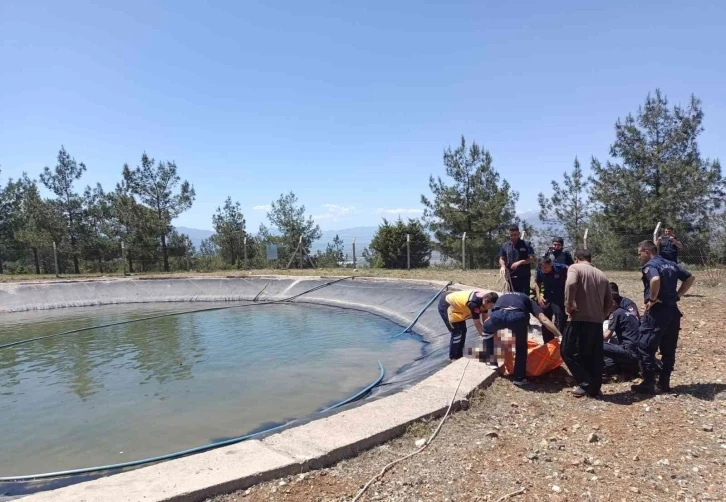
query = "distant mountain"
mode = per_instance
[
  {"x": 196, "y": 235},
  {"x": 363, "y": 235}
]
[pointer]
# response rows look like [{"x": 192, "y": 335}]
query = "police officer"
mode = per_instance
[
  {"x": 511, "y": 311},
  {"x": 668, "y": 245},
  {"x": 549, "y": 287},
  {"x": 557, "y": 253},
  {"x": 624, "y": 325},
  {"x": 626, "y": 303},
  {"x": 662, "y": 319},
  {"x": 456, "y": 308},
  {"x": 515, "y": 257}
]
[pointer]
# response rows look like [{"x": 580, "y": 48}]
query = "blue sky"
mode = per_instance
[{"x": 348, "y": 104}]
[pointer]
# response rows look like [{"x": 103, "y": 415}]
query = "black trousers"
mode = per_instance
[
  {"x": 520, "y": 281},
  {"x": 659, "y": 329},
  {"x": 620, "y": 357},
  {"x": 556, "y": 314},
  {"x": 582, "y": 352},
  {"x": 457, "y": 330}
]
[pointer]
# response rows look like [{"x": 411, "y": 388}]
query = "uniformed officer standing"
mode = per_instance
[
  {"x": 624, "y": 325},
  {"x": 549, "y": 286},
  {"x": 515, "y": 257},
  {"x": 662, "y": 319},
  {"x": 668, "y": 245},
  {"x": 511, "y": 311},
  {"x": 558, "y": 254},
  {"x": 456, "y": 308}
]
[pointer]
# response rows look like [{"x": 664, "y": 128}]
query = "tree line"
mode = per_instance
[{"x": 655, "y": 173}]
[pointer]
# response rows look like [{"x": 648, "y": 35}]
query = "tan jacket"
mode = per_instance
[{"x": 587, "y": 289}]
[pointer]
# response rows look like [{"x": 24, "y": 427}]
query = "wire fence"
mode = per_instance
[{"x": 610, "y": 250}]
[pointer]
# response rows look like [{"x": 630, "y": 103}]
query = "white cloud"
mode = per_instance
[
  {"x": 334, "y": 212},
  {"x": 381, "y": 210},
  {"x": 263, "y": 207}
]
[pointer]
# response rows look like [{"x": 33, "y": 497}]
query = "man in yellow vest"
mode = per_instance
[{"x": 458, "y": 307}]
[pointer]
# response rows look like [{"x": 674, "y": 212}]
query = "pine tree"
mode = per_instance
[
  {"x": 476, "y": 203},
  {"x": 388, "y": 248},
  {"x": 155, "y": 185},
  {"x": 230, "y": 232},
  {"x": 568, "y": 207},
  {"x": 289, "y": 218},
  {"x": 60, "y": 181}
]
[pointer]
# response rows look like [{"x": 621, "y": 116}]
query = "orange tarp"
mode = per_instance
[{"x": 541, "y": 358}]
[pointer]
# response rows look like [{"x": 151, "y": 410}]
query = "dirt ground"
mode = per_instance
[{"x": 622, "y": 447}]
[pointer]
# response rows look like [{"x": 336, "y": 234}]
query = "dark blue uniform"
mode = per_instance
[
  {"x": 562, "y": 257},
  {"x": 553, "y": 287},
  {"x": 668, "y": 250},
  {"x": 623, "y": 354},
  {"x": 662, "y": 321},
  {"x": 512, "y": 312},
  {"x": 630, "y": 306},
  {"x": 513, "y": 252}
]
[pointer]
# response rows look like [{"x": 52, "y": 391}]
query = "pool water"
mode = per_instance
[{"x": 153, "y": 387}]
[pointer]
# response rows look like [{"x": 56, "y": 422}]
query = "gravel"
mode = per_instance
[{"x": 558, "y": 448}]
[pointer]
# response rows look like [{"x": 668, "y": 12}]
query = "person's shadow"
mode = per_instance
[{"x": 703, "y": 391}]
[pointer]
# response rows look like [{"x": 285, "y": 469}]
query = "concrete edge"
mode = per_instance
[{"x": 318, "y": 444}]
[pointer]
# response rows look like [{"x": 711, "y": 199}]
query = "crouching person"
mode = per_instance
[
  {"x": 511, "y": 311},
  {"x": 625, "y": 326},
  {"x": 458, "y": 307}
]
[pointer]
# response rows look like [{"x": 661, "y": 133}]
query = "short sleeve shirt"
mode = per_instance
[
  {"x": 553, "y": 283},
  {"x": 670, "y": 273},
  {"x": 668, "y": 249},
  {"x": 512, "y": 252}
]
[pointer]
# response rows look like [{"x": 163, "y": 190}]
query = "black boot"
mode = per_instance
[
  {"x": 664, "y": 382},
  {"x": 647, "y": 386}
]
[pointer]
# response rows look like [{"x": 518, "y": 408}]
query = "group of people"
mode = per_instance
[{"x": 572, "y": 299}]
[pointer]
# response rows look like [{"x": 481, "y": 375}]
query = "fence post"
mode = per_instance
[
  {"x": 123, "y": 257},
  {"x": 463, "y": 251},
  {"x": 299, "y": 244},
  {"x": 655, "y": 232},
  {"x": 354, "y": 264},
  {"x": 584, "y": 238},
  {"x": 55, "y": 259},
  {"x": 247, "y": 265},
  {"x": 408, "y": 251}
]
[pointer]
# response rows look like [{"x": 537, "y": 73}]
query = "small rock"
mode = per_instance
[
  {"x": 282, "y": 483},
  {"x": 515, "y": 405},
  {"x": 634, "y": 489},
  {"x": 590, "y": 469},
  {"x": 556, "y": 489},
  {"x": 636, "y": 458},
  {"x": 576, "y": 427},
  {"x": 592, "y": 438},
  {"x": 594, "y": 478},
  {"x": 708, "y": 428},
  {"x": 491, "y": 434},
  {"x": 301, "y": 477},
  {"x": 532, "y": 456},
  {"x": 420, "y": 442},
  {"x": 664, "y": 461}
]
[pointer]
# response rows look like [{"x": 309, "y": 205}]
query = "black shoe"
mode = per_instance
[
  {"x": 644, "y": 387},
  {"x": 664, "y": 383}
]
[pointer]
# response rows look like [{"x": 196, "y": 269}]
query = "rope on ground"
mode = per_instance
[
  {"x": 505, "y": 497},
  {"x": 428, "y": 441}
]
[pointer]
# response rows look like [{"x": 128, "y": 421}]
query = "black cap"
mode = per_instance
[{"x": 559, "y": 239}]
